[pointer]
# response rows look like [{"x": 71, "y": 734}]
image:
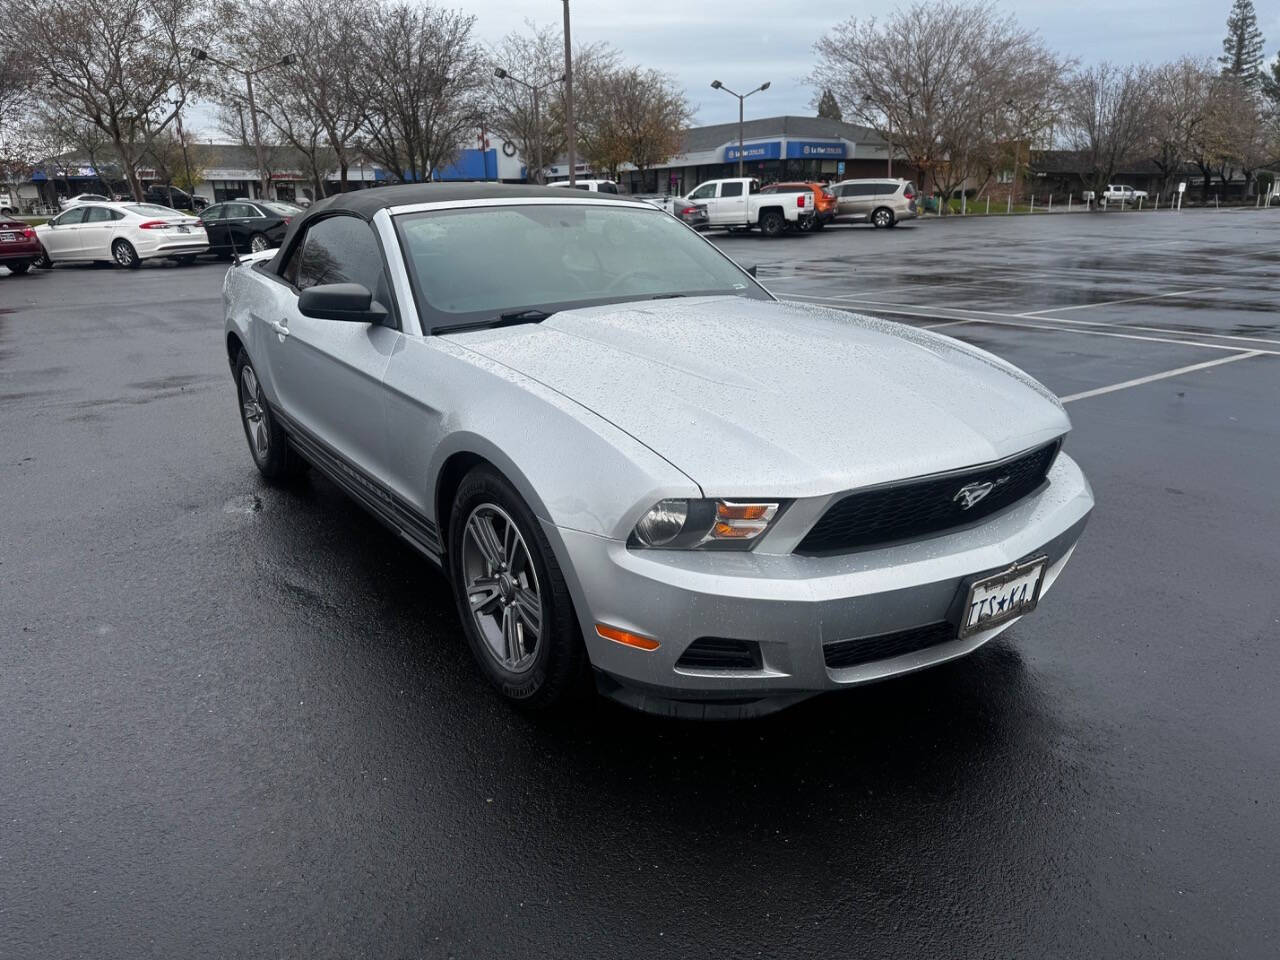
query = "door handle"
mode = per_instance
[{"x": 281, "y": 330}]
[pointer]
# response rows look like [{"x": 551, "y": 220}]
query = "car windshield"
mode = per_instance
[
  {"x": 475, "y": 264},
  {"x": 280, "y": 207}
]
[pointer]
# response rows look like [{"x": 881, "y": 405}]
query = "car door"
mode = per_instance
[
  {"x": 327, "y": 374},
  {"x": 238, "y": 220},
  {"x": 62, "y": 238},
  {"x": 94, "y": 234},
  {"x": 731, "y": 203},
  {"x": 215, "y": 226}
]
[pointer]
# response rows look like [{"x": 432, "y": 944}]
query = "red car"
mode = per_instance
[{"x": 19, "y": 247}]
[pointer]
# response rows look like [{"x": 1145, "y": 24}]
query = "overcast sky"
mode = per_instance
[{"x": 745, "y": 42}]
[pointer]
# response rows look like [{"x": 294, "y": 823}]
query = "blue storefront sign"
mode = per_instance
[
  {"x": 770, "y": 150},
  {"x": 810, "y": 148}
]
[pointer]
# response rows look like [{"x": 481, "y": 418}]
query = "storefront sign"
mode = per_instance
[
  {"x": 771, "y": 150},
  {"x": 807, "y": 148}
]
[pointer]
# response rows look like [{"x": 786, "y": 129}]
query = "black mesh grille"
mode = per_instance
[
  {"x": 721, "y": 653},
  {"x": 851, "y": 653},
  {"x": 916, "y": 508}
]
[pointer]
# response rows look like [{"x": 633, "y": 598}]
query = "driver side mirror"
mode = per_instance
[
  {"x": 350, "y": 302},
  {"x": 752, "y": 269}
]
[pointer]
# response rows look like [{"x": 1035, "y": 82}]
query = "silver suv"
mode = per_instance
[{"x": 881, "y": 202}]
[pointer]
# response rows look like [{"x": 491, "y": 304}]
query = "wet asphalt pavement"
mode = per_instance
[{"x": 237, "y": 721}]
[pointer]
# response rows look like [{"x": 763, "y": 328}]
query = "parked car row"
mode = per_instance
[
  {"x": 128, "y": 233},
  {"x": 739, "y": 203}
]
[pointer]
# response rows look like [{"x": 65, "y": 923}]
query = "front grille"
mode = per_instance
[
  {"x": 851, "y": 653},
  {"x": 917, "y": 508},
  {"x": 721, "y": 653}
]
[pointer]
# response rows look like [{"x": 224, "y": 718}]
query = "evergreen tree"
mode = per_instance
[
  {"x": 828, "y": 107},
  {"x": 1271, "y": 82},
  {"x": 1242, "y": 46}
]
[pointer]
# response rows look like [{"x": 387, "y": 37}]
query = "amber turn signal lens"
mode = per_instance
[
  {"x": 744, "y": 511},
  {"x": 625, "y": 638}
]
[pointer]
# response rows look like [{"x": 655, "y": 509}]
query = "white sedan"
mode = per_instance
[
  {"x": 127, "y": 233},
  {"x": 79, "y": 198}
]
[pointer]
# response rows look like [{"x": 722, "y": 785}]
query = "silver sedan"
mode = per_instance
[{"x": 633, "y": 463}]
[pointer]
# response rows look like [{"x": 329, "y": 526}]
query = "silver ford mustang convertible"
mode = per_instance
[{"x": 633, "y": 463}]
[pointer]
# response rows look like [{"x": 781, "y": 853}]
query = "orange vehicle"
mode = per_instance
[{"x": 824, "y": 201}]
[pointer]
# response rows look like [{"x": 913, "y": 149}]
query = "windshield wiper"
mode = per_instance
[
  {"x": 667, "y": 296},
  {"x": 508, "y": 319}
]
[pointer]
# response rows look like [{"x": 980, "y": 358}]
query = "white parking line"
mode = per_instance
[
  {"x": 1016, "y": 320},
  {"x": 1110, "y": 303},
  {"x": 889, "y": 306},
  {"x": 1139, "y": 381}
]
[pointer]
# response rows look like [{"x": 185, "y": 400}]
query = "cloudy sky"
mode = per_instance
[{"x": 746, "y": 42}]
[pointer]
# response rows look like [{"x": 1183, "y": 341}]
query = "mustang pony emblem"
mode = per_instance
[{"x": 971, "y": 493}]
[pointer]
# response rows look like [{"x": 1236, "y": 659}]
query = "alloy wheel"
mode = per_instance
[
  {"x": 258, "y": 243},
  {"x": 254, "y": 412},
  {"x": 124, "y": 253},
  {"x": 502, "y": 587}
]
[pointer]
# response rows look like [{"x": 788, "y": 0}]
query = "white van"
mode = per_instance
[{"x": 8, "y": 203}]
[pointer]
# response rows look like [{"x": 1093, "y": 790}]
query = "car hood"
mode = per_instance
[{"x": 762, "y": 398}]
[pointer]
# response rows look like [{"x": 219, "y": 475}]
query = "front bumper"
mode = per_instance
[{"x": 791, "y": 605}]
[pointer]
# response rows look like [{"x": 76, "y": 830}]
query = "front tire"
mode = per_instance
[
  {"x": 511, "y": 595},
  {"x": 42, "y": 262},
  {"x": 268, "y": 445},
  {"x": 185, "y": 260},
  {"x": 125, "y": 255}
]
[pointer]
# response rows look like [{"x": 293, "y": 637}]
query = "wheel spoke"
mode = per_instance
[
  {"x": 511, "y": 634},
  {"x": 483, "y": 594},
  {"x": 530, "y": 610},
  {"x": 481, "y": 531}
]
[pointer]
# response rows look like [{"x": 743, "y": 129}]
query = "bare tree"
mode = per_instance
[
  {"x": 424, "y": 98},
  {"x": 536, "y": 127},
  {"x": 652, "y": 116},
  {"x": 942, "y": 82},
  {"x": 1108, "y": 119},
  {"x": 121, "y": 67},
  {"x": 1180, "y": 103}
]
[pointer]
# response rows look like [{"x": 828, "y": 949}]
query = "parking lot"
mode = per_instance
[{"x": 241, "y": 721}]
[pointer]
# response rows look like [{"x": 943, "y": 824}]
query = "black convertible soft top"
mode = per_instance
[{"x": 365, "y": 203}]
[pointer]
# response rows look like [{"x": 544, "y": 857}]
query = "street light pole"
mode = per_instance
[
  {"x": 537, "y": 114},
  {"x": 288, "y": 60},
  {"x": 717, "y": 85},
  {"x": 569, "y": 131}
]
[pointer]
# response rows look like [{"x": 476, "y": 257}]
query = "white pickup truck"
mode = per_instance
[{"x": 738, "y": 204}]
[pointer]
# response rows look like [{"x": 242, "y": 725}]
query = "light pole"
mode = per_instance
[
  {"x": 249, "y": 73},
  {"x": 568, "y": 101},
  {"x": 717, "y": 85},
  {"x": 536, "y": 89}
]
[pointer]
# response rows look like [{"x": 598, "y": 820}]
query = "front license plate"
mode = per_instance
[
  {"x": 8, "y": 237},
  {"x": 999, "y": 598}
]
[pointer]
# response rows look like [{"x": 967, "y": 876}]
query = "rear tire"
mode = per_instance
[
  {"x": 772, "y": 223},
  {"x": 125, "y": 255},
  {"x": 18, "y": 268},
  {"x": 258, "y": 243},
  {"x": 882, "y": 217},
  {"x": 268, "y": 444},
  {"x": 508, "y": 585},
  {"x": 186, "y": 260}
]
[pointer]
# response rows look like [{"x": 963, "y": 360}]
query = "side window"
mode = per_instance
[
  {"x": 98, "y": 215},
  {"x": 581, "y": 186},
  {"x": 72, "y": 216},
  {"x": 731, "y": 189},
  {"x": 704, "y": 192},
  {"x": 343, "y": 250},
  {"x": 237, "y": 211},
  {"x": 212, "y": 213},
  {"x": 608, "y": 188}
]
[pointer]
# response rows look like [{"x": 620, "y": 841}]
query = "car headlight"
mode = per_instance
[{"x": 705, "y": 524}]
